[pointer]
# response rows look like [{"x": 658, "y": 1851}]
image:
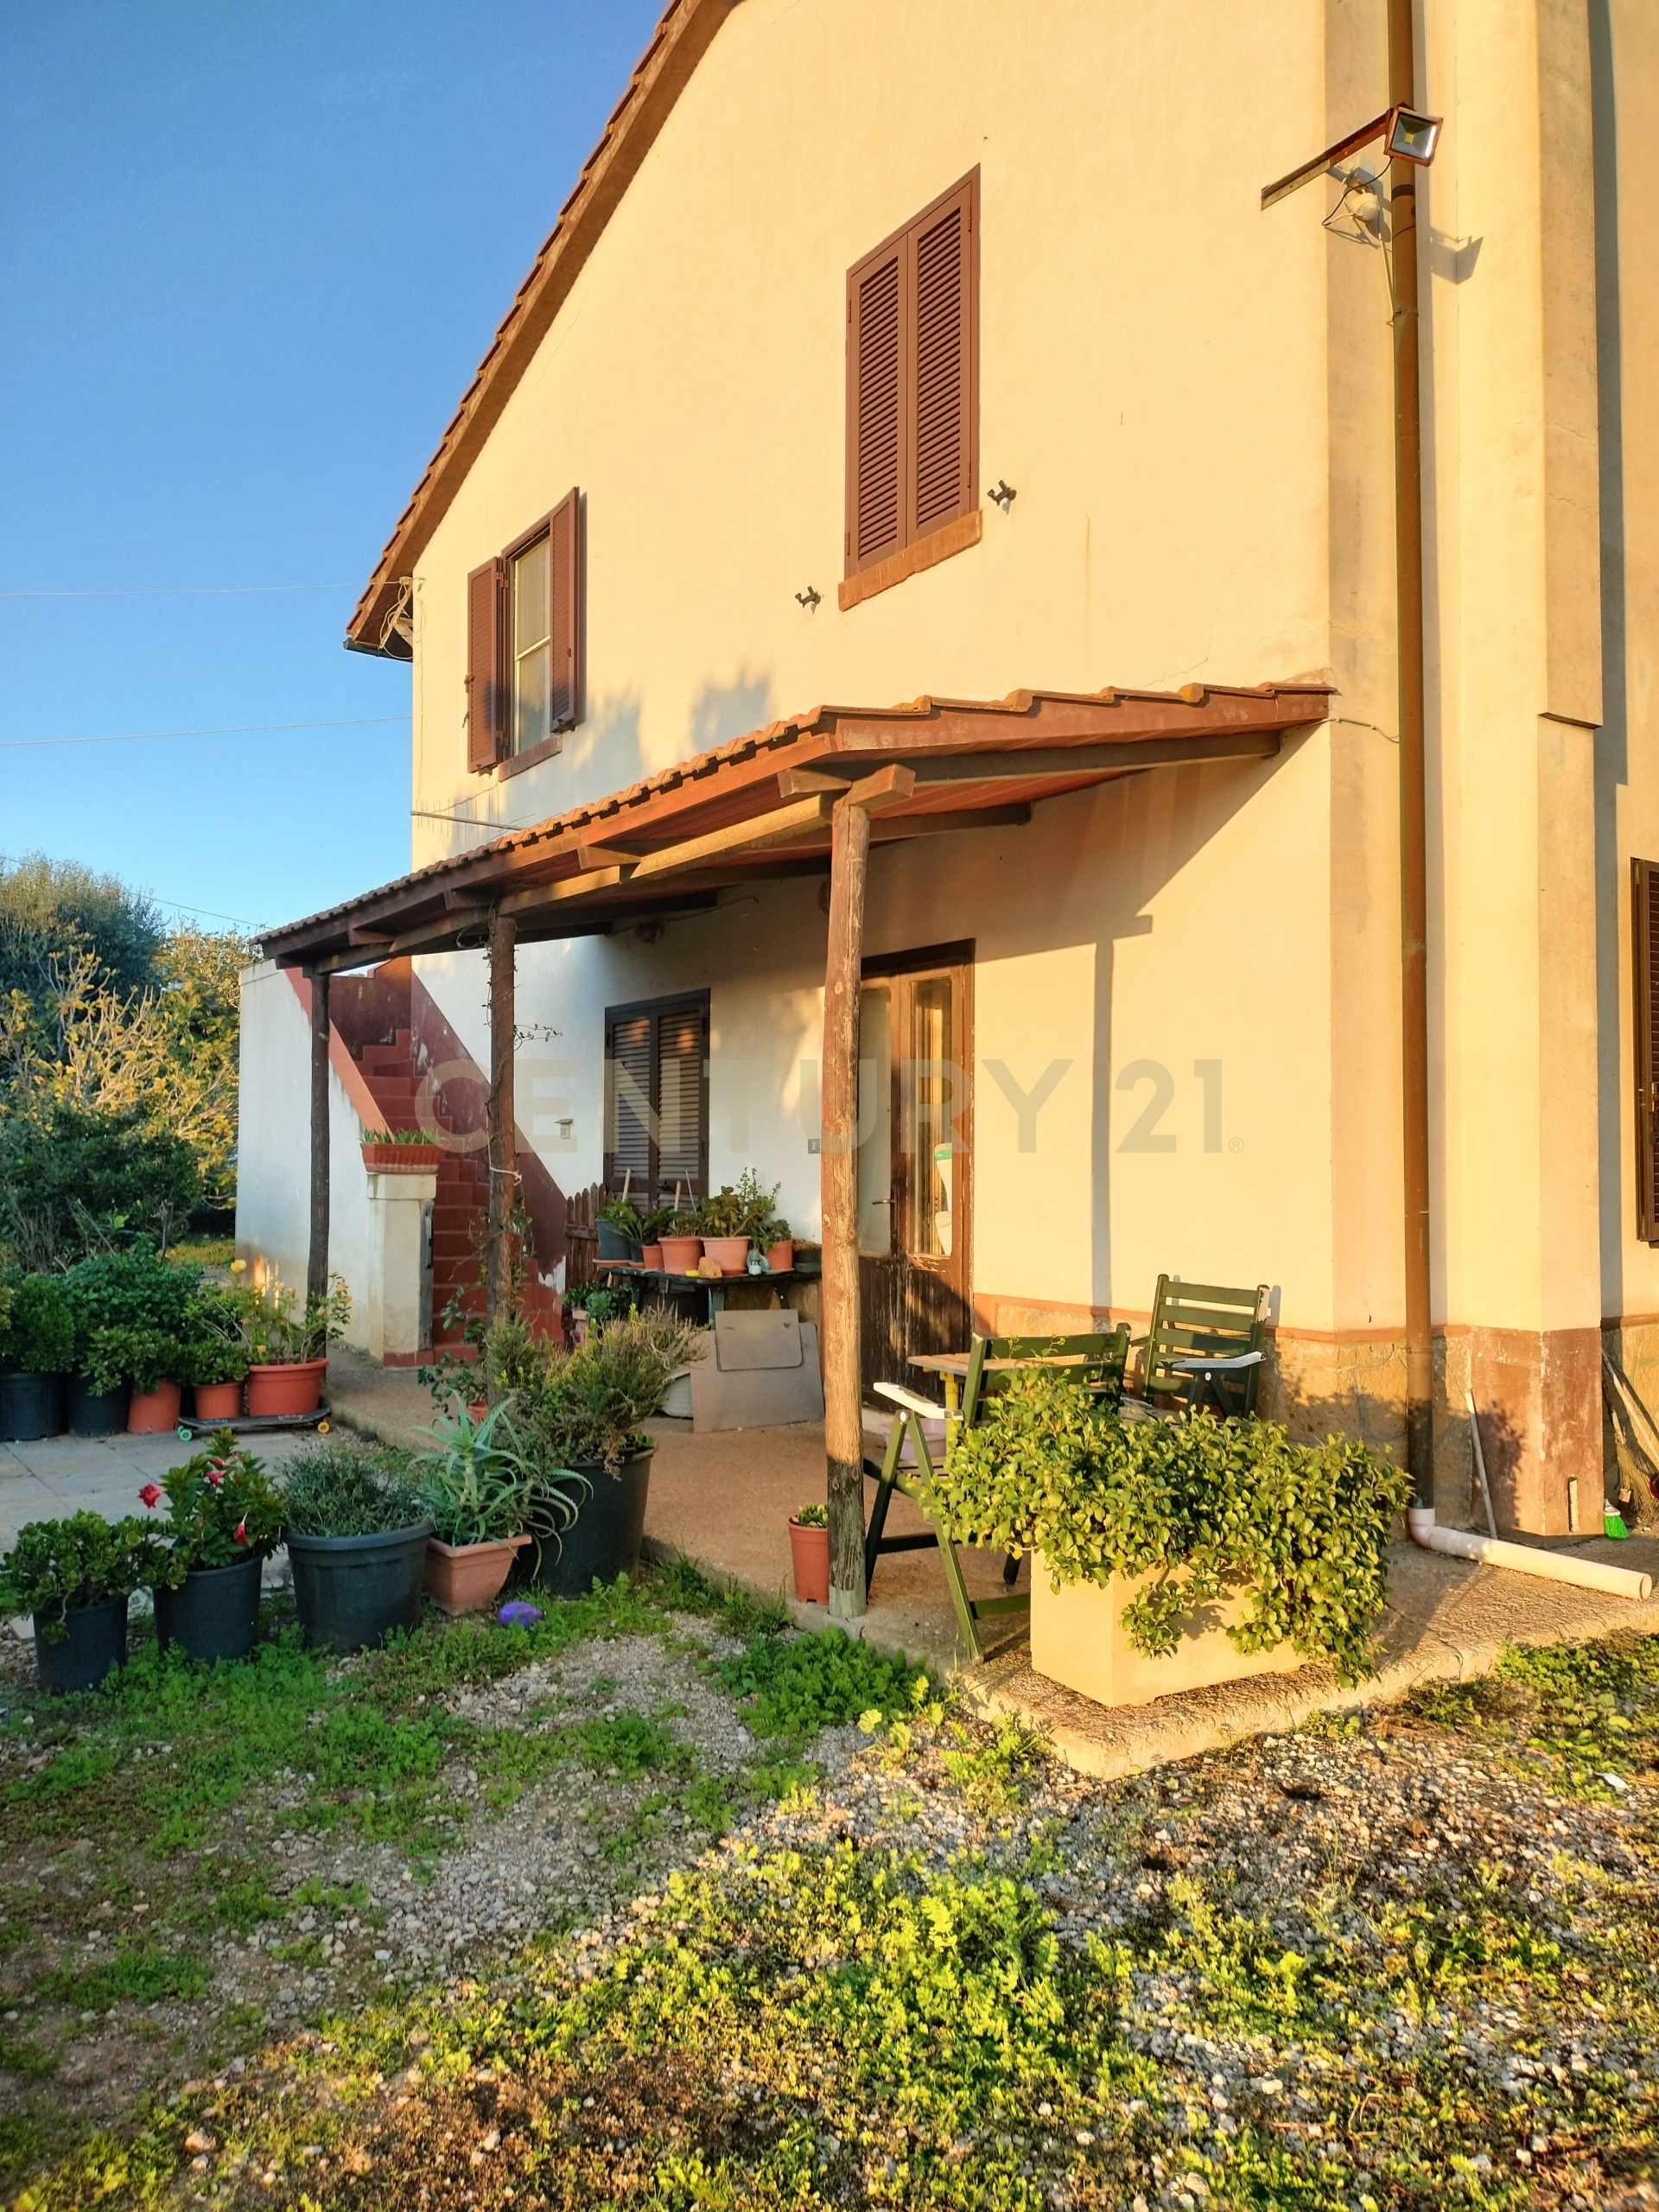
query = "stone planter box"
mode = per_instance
[{"x": 1077, "y": 1639}]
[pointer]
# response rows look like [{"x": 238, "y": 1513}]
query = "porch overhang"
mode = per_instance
[{"x": 760, "y": 808}]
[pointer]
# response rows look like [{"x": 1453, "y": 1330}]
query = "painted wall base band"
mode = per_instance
[{"x": 1522, "y": 1559}]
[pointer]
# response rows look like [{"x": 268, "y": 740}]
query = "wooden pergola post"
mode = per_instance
[
  {"x": 843, "y": 1433},
  {"x": 503, "y": 1154},
  {"x": 316, "y": 1265}
]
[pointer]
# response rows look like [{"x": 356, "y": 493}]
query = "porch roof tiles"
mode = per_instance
[{"x": 760, "y": 807}]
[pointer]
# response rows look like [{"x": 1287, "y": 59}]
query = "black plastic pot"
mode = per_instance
[
  {"x": 214, "y": 1613},
  {"x": 351, "y": 1592},
  {"x": 615, "y": 1244},
  {"x": 30, "y": 1406},
  {"x": 93, "y": 1645},
  {"x": 97, "y": 1413},
  {"x": 604, "y": 1541}
]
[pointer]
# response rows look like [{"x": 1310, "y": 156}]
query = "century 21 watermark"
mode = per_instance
[{"x": 561, "y": 1105}]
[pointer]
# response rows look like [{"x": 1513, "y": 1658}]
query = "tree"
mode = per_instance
[{"x": 49, "y": 908}]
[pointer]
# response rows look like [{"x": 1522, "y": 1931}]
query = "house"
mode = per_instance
[{"x": 916, "y": 430}]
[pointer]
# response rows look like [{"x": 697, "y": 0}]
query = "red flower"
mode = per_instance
[
  {"x": 241, "y": 1532},
  {"x": 215, "y": 1474},
  {"x": 149, "y": 1494}
]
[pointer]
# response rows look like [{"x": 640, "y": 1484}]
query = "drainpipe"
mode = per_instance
[{"x": 1414, "y": 834}]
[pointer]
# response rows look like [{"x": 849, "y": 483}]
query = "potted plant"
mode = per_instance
[
  {"x": 1170, "y": 1555},
  {"x": 357, "y": 1528},
  {"x": 719, "y": 1221},
  {"x": 585, "y": 1420},
  {"x": 621, "y": 1232},
  {"x": 75, "y": 1577},
  {"x": 133, "y": 1290},
  {"x": 37, "y": 1348},
  {"x": 809, "y": 1543},
  {"x": 758, "y": 1220},
  {"x": 145, "y": 1363},
  {"x": 486, "y": 1499},
  {"x": 215, "y": 1362},
  {"x": 287, "y": 1353},
  {"x": 662, "y": 1223},
  {"x": 401, "y": 1152},
  {"x": 225, "y": 1517}
]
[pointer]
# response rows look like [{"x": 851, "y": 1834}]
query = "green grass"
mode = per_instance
[
  {"x": 797, "y": 1686},
  {"x": 135, "y": 1974}
]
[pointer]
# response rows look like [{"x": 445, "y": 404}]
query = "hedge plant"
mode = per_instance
[
  {"x": 37, "y": 1331},
  {"x": 1200, "y": 1506},
  {"x": 56, "y": 1567}
]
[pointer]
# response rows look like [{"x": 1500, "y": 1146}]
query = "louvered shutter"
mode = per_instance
[
  {"x": 486, "y": 688},
  {"x": 681, "y": 1096},
  {"x": 564, "y": 614},
  {"x": 943, "y": 361},
  {"x": 1644, "y": 948},
  {"x": 630, "y": 1116},
  {"x": 876, "y": 379}
]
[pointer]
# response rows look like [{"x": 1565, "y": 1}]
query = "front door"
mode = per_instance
[{"x": 915, "y": 1160}]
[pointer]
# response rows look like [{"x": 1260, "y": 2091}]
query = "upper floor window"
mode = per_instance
[
  {"x": 912, "y": 389},
  {"x": 523, "y": 645}
]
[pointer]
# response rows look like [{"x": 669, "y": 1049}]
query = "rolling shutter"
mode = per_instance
[
  {"x": 943, "y": 357},
  {"x": 564, "y": 622},
  {"x": 913, "y": 380},
  {"x": 657, "y": 1099},
  {"x": 1644, "y": 948},
  {"x": 486, "y": 687}
]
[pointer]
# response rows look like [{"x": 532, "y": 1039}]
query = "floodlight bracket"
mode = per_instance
[{"x": 1381, "y": 126}]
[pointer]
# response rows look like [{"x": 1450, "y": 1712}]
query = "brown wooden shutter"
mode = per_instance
[
  {"x": 630, "y": 1106},
  {"x": 486, "y": 687},
  {"x": 564, "y": 615},
  {"x": 1645, "y": 950},
  {"x": 682, "y": 1097},
  {"x": 876, "y": 379},
  {"x": 913, "y": 380},
  {"x": 944, "y": 365}
]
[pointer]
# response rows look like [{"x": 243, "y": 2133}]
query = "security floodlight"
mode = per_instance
[{"x": 1408, "y": 136}]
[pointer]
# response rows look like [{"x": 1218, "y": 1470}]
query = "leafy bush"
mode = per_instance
[
  {"x": 588, "y": 1409},
  {"x": 1199, "y": 1505},
  {"x": 144, "y": 1357},
  {"x": 272, "y": 1333},
  {"x": 76, "y": 1177},
  {"x": 480, "y": 1486},
  {"x": 802, "y": 1683},
  {"x": 38, "y": 1335},
  {"x": 127, "y": 1290},
  {"x": 339, "y": 1488},
  {"x": 58, "y": 1566},
  {"x": 221, "y": 1505}
]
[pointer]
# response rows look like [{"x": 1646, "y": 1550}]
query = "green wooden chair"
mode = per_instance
[
  {"x": 1204, "y": 1344},
  {"x": 1098, "y": 1363}
]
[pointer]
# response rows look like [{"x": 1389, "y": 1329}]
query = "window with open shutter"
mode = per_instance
[
  {"x": 487, "y": 690},
  {"x": 913, "y": 372},
  {"x": 656, "y": 1099},
  {"x": 1644, "y": 950}
]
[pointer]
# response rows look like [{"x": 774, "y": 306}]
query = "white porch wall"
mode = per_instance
[{"x": 273, "y": 1201}]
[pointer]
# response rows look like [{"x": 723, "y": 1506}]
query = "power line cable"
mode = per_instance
[
  {"x": 223, "y": 729},
  {"x": 174, "y": 591}
]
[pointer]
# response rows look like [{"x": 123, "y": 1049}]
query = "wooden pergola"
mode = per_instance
[{"x": 802, "y": 796}]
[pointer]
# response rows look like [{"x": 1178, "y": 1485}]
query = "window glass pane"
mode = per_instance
[
  {"x": 529, "y": 647},
  {"x": 933, "y": 1088}
]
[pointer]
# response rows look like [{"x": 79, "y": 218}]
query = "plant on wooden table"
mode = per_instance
[
  {"x": 222, "y": 1508},
  {"x": 622, "y": 1214},
  {"x": 59, "y": 1567},
  {"x": 1201, "y": 1505}
]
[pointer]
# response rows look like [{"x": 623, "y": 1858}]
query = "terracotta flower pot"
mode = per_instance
[
  {"x": 478, "y": 1408},
  {"x": 652, "y": 1254},
  {"x": 729, "y": 1254},
  {"x": 780, "y": 1256},
  {"x": 291, "y": 1386},
  {"x": 404, "y": 1159},
  {"x": 152, "y": 1413},
  {"x": 217, "y": 1401},
  {"x": 811, "y": 1549},
  {"x": 465, "y": 1578},
  {"x": 680, "y": 1254}
]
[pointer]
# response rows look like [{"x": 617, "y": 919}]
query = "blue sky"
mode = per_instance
[{"x": 251, "y": 253}]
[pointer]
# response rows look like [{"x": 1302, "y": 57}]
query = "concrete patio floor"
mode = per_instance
[{"x": 96, "y": 1474}]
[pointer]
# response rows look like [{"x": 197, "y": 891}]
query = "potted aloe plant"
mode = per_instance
[
  {"x": 585, "y": 1420},
  {"x": 487, "y": 1498},
  {"x": 75, "y": 1577},
  {"x": 356, "y": 1530},
  {"x": 809, "y": 1544},
  {"x": 37, "y": 1348},
  {"x": 224, "y": 1519}
]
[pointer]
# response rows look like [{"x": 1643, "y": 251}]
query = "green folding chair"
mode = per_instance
[
  {"x": 1204, "y": 1344},
  {"x": 1098, "y": 1363}
]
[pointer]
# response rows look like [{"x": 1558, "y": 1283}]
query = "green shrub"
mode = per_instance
[
  {"x": 57, "y": 1566},
  {"x": 39, "y": 1335},
  {"x": 75, "y": 1177},
  {"x": 1199, "y": 1505},
  {"x": 144, "y": 1357},
  {"x": 339, "y": 1488},
  {"x": 132, "y": 1289},
  {"x": 590, "y": 1408}
]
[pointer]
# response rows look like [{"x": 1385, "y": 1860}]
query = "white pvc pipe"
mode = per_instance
[{"x": 1522, "y": 1559}]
